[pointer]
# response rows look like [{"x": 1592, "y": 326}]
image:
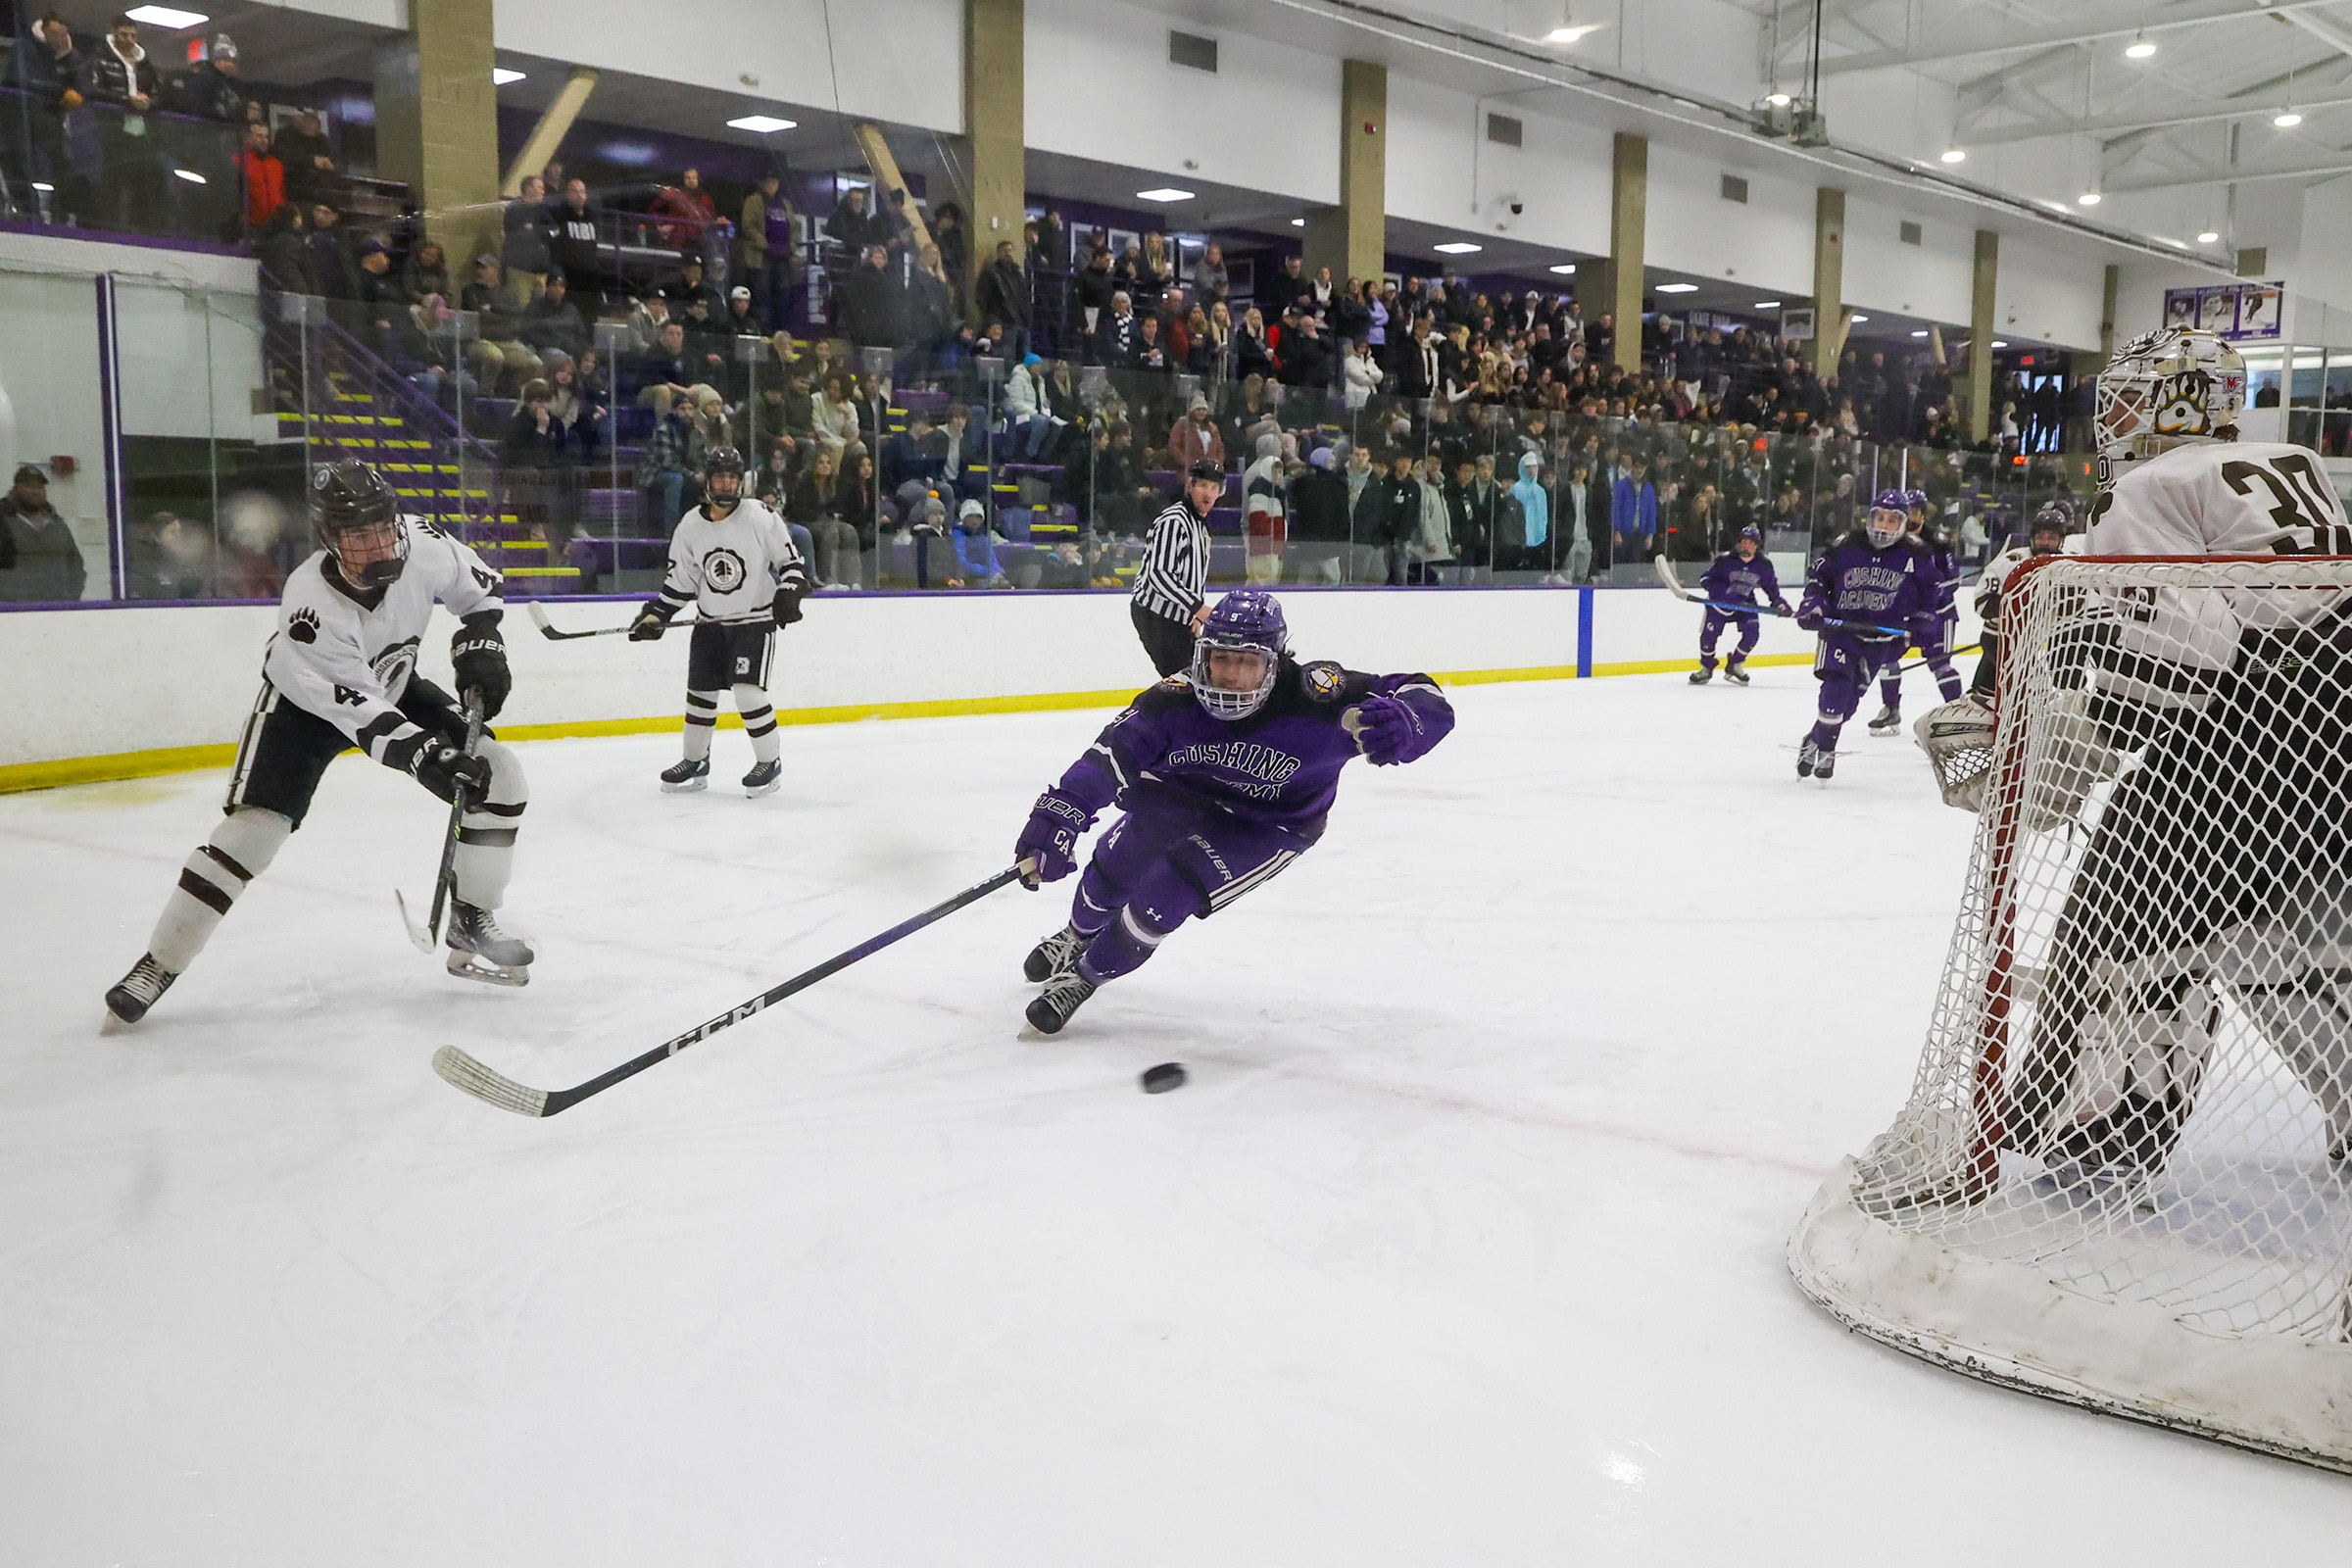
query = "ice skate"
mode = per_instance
[
  {"x": 1814, "y": 763},
  {"x": 766, "y": 780},
  {"x": 1701, "y": 676},
  {"x": 480, "y": 950},
  {"x": 129, "y": 998},
  {"x": 1063, "y": 994},
  {"x": 1735, "y": 672},
  {"x": 693, "y": 773},
  {"x": 1052, "y": 956},
  {"x": 1889, "y": 722}
]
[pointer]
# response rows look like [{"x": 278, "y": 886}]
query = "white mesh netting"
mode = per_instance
[{"x": 2121, "y": 1175}]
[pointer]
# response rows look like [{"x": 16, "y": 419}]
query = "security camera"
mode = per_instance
[{"x": 1517, "y": 208}]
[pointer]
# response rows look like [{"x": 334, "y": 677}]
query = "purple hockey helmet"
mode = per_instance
[
  {"x": 1890, "y": 516},
  {"x": 1244, "y": 622}
]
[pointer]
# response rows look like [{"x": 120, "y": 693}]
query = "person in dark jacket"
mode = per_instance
[
  {"x": 210, "y": 88},
  {"x": 503, "y": 359},
  {"x": 284, "y": 253},
  {"x": 39, "y": 562},
  {"x": 301, "y": 145},
  {"x": 873, "y": 302},
  {"x": 526, "y": 248},
  {"x": 46, "y": 68},
  {"x": 1003, "y": 294},
  {"x": 331, "y": 259},
  {"x": 118, "y": 75},
  {"x": 551, "y": 323},
  {"x": 1318, "y": 520},
  {"x": 854, "y": 225},
  {"x": 577, "y": 254},
  {"x": 1368, "y": 507}
]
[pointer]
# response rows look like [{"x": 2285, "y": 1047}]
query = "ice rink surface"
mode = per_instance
[{"x": 1463, "y": 1245}]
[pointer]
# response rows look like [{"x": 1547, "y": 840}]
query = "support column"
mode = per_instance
[
  {"x": 1828, "y": 279},
  {"x": 1352, "y": 238},
  {"x": 436, "y": 121},
  {"x": 546, "y": 136},
  {"x": 1975, "y": 418},
  {"x": 1628, "y": 219},
  {"x": 994, "y": 116}
]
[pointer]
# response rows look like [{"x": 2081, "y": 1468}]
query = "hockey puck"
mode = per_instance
[{"x": 1164, "y": 1077}]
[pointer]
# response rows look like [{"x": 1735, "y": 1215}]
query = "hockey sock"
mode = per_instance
[
  {"x": 485, "y": 857},
  {"x": 1890, "y": 691},
  {"x": 702, "y": 713},
  {"x": 759, "y": 721},
  {"x": 241, "y": 848},
  {"x": 1947, "y": 679},
  {"x": 1120, "y": 948},
  {"x": 1095, "y": 902}
]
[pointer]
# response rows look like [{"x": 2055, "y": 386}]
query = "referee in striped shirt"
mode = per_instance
[{"x": 1170, "y": 586}]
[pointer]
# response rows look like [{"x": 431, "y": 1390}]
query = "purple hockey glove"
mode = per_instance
[
  {"x": 1047, "y": 847},
  {"x": 1809, "y": 615},
  {"x": 1387, "y": 731}
]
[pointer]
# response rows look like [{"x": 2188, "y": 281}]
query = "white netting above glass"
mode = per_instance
[{"x": 2121, "y": 1176}]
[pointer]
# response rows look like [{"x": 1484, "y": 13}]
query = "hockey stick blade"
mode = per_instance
[
  {"x": 485, "y": 1084},
  {"x": 1672, "y": 583},
  {"x": 498, "y": 1089},
  {"x": 417, "y": 933}
]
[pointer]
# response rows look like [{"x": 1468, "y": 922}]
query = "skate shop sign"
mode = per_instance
[{"x": 2239, "y": 311}]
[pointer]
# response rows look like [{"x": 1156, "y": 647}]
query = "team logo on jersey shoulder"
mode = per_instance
[
  {"x": 1324, "y": 681},
  {"x": 303, "y": 625},
  {"x": 723, "y": 570}
]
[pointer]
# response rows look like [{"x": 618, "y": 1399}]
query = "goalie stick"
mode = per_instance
[
  {"x": 428, "y": 936},
  {"x": 487, "y": 1084},
  {"x": 547, "y": 631}
]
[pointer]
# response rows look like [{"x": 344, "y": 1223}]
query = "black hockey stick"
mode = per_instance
[
  {"x": 428, "y": 936},
  {"x": 547, "y": 631},
  {"x": 505, "y": 1093}
]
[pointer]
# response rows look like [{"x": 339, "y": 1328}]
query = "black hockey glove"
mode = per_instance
[
  {"x": 479, "y": 653},
  {"x": 791, "y": 589},
  {"x": 651, "y": 622},
  {"x": 444, "y": 767}
]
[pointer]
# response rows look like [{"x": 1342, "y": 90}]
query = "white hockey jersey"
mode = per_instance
[
  {"x": 2244, "y": 498},
  {"x": 728, "y": 568},
  {"x": 348, "y": 664}
]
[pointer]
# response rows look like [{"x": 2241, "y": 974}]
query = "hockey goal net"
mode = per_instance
[{"x": 2122, "y": 1178}]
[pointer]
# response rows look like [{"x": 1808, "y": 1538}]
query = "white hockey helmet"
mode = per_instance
[{"x": 2166, "y": 388}]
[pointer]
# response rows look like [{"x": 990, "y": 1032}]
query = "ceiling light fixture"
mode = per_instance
[
  {"x": 1857, "y": 317},
  {"x": 1163, "y": 193},
  {"x": 1778, "y": 100},
  {"x": 1675, "y": 288},
  {"x": 191, "y": 176},
  {"x": 1953, "y": 155},
  {"x": 499, "y": 76},
  {"x": 1921, "y": 332},
  {"x": 2287, "y": 120},
  {"x": 168, "y": 17},
  {"x": 2089, "y": 198},
  {"x": 1999, "y": 343},
  {"x": 2139, "y": 49},
  {"x": 2209, "y": 237},
  {"x": 761, "y": 124},
  {"x": 1766, "y": 305},
  {"x": 1297, "y": 222},
  {"x": 1457, "y": 247},
  {"x": 1564, "y": 268},
  {"x": 1569, "y": 34}
]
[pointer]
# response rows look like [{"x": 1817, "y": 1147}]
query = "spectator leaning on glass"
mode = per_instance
[
  {"x": 1170, "y": 599},
  {"x": 45, "y": 67},
  {"x": 118, "y": 75},
  {"x": 39, "y": 562}
]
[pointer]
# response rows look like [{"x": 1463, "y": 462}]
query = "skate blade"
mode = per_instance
[
  {"x": 687, "y": 788},
  {"x": 755, "y": 791},
  {"x": 467, "y": 967}
]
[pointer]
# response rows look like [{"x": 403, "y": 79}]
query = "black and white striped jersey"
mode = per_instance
[
  {"x": 335, "y": 657},
  {"x": 728, "y": 567},
  {"x": 1173, "y": 579}
]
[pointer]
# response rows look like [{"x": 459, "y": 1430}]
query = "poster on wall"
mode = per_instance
[
  {"x": 2239, "y": 311},
  {"x": 1796, "y": 325}
]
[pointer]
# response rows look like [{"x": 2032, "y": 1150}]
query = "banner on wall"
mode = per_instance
[{"x": 2239, "y": 311}]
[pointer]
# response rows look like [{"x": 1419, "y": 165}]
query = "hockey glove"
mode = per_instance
[
  {"x": 1387, "y": 731},
  {"x": 790, "y": 588},
  {"x": 1047, "y": 847},
  {"x": 479, "y": 653},
  {"x": 1779, "y": 606},
  {"x": 445, "y": 769},
  {"x": 651, "y": 622},
  {"x": 1810, "y": 616}
]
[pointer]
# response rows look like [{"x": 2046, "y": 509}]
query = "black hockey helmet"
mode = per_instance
[
  {"x": 723, "y": 459},
  {"x": 357, "y": 519}
]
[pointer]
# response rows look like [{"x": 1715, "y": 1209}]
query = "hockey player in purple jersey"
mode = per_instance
[
  {"x": 1867, "y": 597},
  {"x": 1741, "y": 575},
  {"x": 1225, "y": 776},
  {"x": 1935, "y": 634}
]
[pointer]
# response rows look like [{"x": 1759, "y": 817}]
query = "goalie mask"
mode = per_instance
[
  {"x": 1890, "y": 519},
  {"x": 356, "y": 518},
  {"x": 1238, "y": 655},
  {"x": 2163, "y": 388}
]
